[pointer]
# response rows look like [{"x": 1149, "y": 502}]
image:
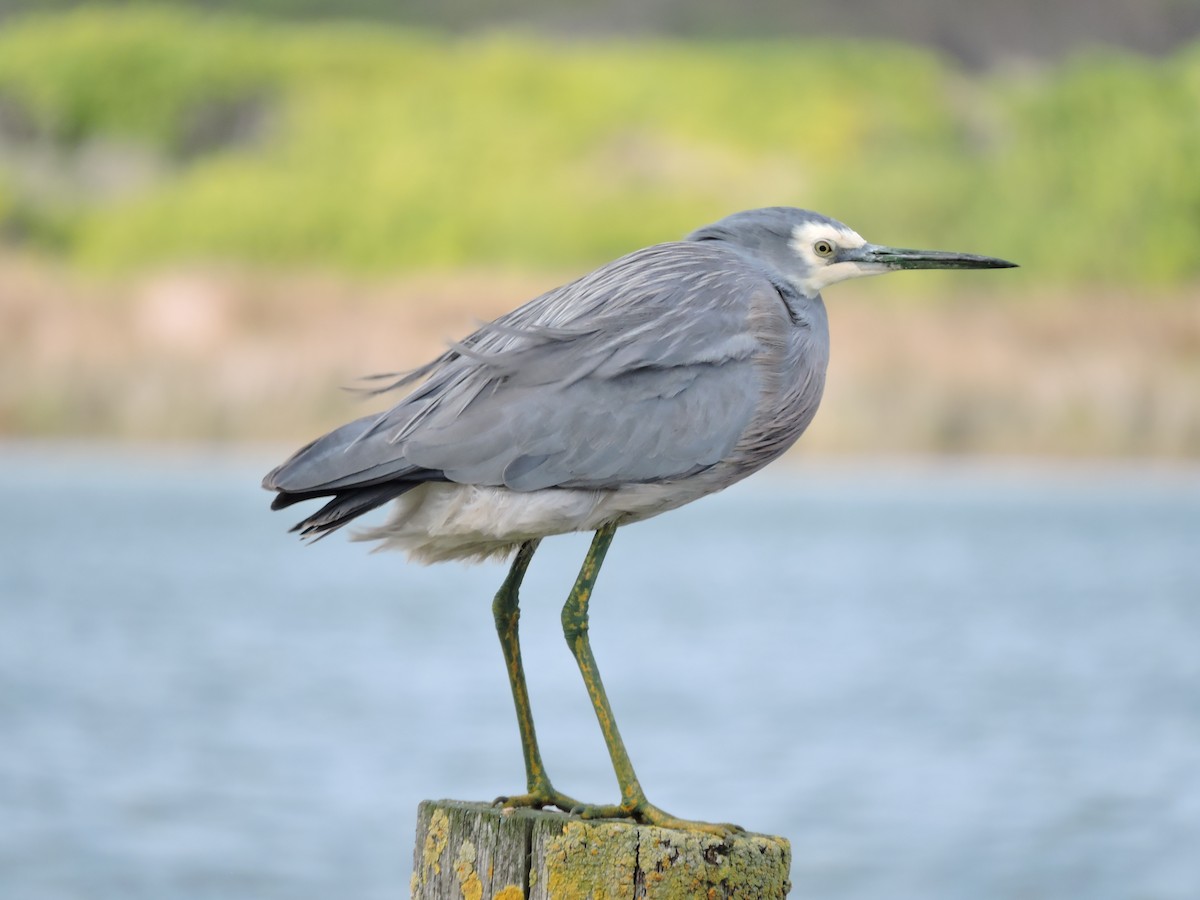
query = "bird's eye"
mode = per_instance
[{"x": 823, "y": 248}]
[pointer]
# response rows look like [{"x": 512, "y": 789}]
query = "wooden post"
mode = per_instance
[{"x": 473, "y": 851}]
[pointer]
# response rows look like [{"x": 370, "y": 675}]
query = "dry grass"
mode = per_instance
[{"x": 235, "y": 356}]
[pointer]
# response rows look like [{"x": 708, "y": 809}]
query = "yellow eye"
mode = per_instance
[{"x": 823, "y": 248}]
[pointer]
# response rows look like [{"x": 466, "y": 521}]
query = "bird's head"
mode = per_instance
[{"x": 813, "y": 251}]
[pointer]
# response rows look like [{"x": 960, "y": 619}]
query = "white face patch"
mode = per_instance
[{"x": 822, "y": 271}]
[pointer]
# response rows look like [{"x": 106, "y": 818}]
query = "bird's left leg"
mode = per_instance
[
  {"x": 507, "y": 613},
  {"x": 633, "y": 803}
]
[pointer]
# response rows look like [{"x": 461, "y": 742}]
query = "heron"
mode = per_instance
[{"x": 661, "y": 377}]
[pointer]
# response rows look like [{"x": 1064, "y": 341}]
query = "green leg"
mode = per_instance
[
  {"x": 507, "y": 613},
  {"x": 575, "y": 628}
]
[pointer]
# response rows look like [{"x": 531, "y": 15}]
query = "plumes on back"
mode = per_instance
[{"x": 658, "y": 378}]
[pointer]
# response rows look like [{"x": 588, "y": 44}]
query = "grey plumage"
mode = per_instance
[{"x": 701, "y": 359}]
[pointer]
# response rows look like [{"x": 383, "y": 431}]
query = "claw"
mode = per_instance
[
  {"x": 519, "y": 800},
  {"x": 539, "y": 798},
  {"x": 646, "y": 813},
  {"x": 643, "y": 812}
]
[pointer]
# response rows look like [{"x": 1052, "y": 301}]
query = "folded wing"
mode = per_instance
[{"x": 642, "y": 371}]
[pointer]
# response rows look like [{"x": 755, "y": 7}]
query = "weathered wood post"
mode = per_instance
[{"x": 474, "y": 851}]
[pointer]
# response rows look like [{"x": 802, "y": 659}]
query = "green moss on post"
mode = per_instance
[{"x": 478, "y": 852}]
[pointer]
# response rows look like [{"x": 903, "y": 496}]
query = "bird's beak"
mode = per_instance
[{"x": 899, "y": 258}]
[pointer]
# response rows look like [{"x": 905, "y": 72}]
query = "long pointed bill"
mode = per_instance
[{"x": 898, "y": 258}]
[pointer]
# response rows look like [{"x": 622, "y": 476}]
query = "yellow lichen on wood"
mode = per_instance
[
  {"x": 464, "y": 870},
  {"x": 479, "y": 852},
  {"x": 607, "y": 860},
  {"x": 678, "y": 864},
  {"x": 435, "y": 840},
  {"x": 591, "y": 861},
  {"x": 470, "y": 851}
]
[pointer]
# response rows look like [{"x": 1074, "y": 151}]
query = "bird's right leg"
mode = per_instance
[{"x": 507, "y": 613}]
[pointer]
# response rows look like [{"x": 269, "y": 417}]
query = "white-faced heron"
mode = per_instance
[{"x": 663, "y": 376}]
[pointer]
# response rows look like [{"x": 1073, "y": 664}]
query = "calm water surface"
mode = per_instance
[{"x": 937, "y": 681}]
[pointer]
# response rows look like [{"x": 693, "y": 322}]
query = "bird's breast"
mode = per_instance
[{"x": 793, "y": 335}]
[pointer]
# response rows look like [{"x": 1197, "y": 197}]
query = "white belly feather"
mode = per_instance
[{"x": 438, "y": 521}]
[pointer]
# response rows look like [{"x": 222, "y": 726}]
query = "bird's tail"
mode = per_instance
[
  {"x": 344, "y": 506},
  {"x": 355, "y": 466}
]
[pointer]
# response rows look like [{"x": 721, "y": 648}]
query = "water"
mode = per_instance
[{"x": 938, "y": 682}]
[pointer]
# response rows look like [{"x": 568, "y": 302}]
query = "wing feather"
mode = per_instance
[{"x": 643, "y": 370}]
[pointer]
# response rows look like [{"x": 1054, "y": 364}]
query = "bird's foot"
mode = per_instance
[
  {"x": 643, "y": 812},
  {"x": 646, "y": 813},
  {"x": 539, "y": 796}
]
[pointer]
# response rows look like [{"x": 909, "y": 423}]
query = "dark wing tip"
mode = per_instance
[{"x": 343, "y": 507}]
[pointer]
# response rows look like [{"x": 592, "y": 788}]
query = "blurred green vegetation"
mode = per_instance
[{"x": 143, "y": 137}]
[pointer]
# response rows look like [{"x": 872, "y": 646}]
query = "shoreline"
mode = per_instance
[{"x": 226, "y": 356}]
